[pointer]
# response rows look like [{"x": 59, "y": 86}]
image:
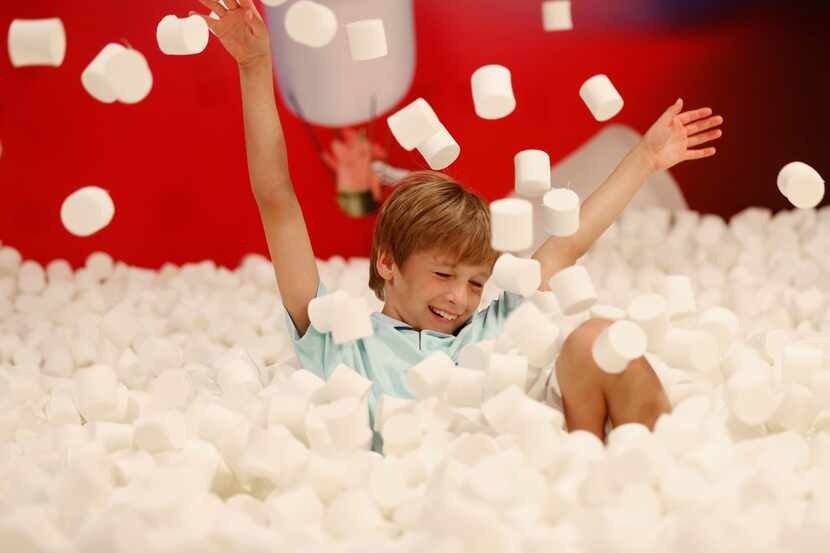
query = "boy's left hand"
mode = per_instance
[{"x": 671, "y": 138}]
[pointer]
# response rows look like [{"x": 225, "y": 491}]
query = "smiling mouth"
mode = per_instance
[{"x": 449, "y": 317}]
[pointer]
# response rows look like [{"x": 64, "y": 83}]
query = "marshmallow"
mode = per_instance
[
  {"x": 160, "y": 432},
  {"x": 574, "y": 289},
  {"x": 556, "y": 15},
  {"x": 298, "y": 507},
  {"x": 401, "y": 434},
  {"x": 440, "y": 150},
  {"x": 343, "y": 382},
  {"x": 532, "y": 172},
  {"x": 722, "y": 324},
  {"x": 321, "y": 309},
  {"x": 533, "y": 333},
  {"x": 347, "y": 422},
  {"x": 691, "y": 349},
  {"x": 270, "y": 3},
  {"x": 465, "y": 387},
  {"x": 182, "y": 37},
  {"x": 752, "y": 396},
  {"x": 546, "y": 301},
  {"x": 113, "y": 436},
  {"x": 800, "y": 362},
  {"x": 511, "y": 225},
  {"x": 387, "y": 406},
  {"x": 679, "y": 296},
  {"x": 414, "y": 124},
  {"x": 96, "y": 78},
  {"x": 367, "y": 39},
  {"x": 476, "y": 355},
  {"x": 601, "y": 97},
  {"x": 517, "y": 275},
  {"x": 351, "y": 321},
  {"x": 618, "y": 345},
  {"x": 429, "y": 377},
  {"x": 87, "y": 210},
  {"x": 505, "y": 370},
  {"x": 37, "y": 42},
  {"x": 310, "y": 23},
  {"x": 31, "y": 278},
  {"x": 493, "y": 92},
  {"x": 602, "y": 311},
  {"x": 560, "y": 212},
  {"x": 130, "y": 76},
  {"x": 650, "y": 311},
  {"x": 801, "y": 184}
]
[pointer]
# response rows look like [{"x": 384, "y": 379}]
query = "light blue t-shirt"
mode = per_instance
[{"x": 395, "y": 346}]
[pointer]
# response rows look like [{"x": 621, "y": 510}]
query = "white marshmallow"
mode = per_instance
[
  {"x": 289, "y": 411},
  {"x": 801, "y": 184},
  {"x": 650, "y": 311},
  {"x": 546, "y": 301},
  {"x": 343, "y": 382},
  {"x": 270, "y": 3},
  {"x": 162, "y": 431},
  {"x": 505, "y": 370},
  {"x": 351, "y": 321},
  {"x": 752, "y": 396},
  {"x": 31, "y": 278},
  {"x": 618, "y": 345},
  {"x": 800, "y": 362},
  {"x": 532, "y": 172},
  {"x": 238, "y": 377},
  {"x": 113, "y": 436},
  {"x": 310, "y": 23},
  {"x": 517, "y": 275},
  {"x": 556, "y": 15},
  {"x": 691, "y": 349},
  {"x": 414, "y": 124},
  {"x": 534, "y": 334},
  {"x": 476, "y": 355},
  {"x": 321, "y": 309},
  {"x": 601, "y": 97},
  {"x": 347, "y": 422},
  {"x": 722, "y": 324},
  {"x": 96, "y": 78},
  {"x": 511, "y": 225},
  {"x": 387, "y": 406},
  {"x": 429, "y": 377},
  {"x": 37, "y": 42},
  {"x": 493, "y": 92},
  {"x": 680, "y": 296},
  {"x": 367, "y": 39},
  {"x": 130, "y": 76},
  {"x": 560, "y": 212},
  {"x": 465, "y": 387},
  {"x": 574, "y": 289},
  {"x": 96, "y": 392},
  {"x": 182, "y": 37},
  {"x": 602, "y": 311},
  {"x": 299, "y": 507},
  {"x": 440, "y": 150},
  {"x": 401, "y": 434},
  {"x": 87, "y": 210}
]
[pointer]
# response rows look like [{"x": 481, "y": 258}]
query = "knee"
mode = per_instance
[{"x": 575, "y": 357}]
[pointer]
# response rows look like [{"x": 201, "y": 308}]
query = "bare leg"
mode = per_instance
[{"x": 590, "y": 395}]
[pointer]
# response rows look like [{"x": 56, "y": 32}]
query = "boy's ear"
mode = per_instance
[{"x": 384, "y": 265}]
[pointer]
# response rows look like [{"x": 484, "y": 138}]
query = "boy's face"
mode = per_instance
[{"x": 430, "y": 282}]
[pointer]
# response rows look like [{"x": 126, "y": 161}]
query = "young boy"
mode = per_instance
[{"x": 431, "y": 253}]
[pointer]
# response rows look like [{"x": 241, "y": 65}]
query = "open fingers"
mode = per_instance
[
  {"x": 694, "y": 115},
  {"x": 231, "y": 4},
  {"x": 700, "y": 153},
  {"x": 215, "y": 6},
  {"x": 702, "y": 125},
  {"x": 703, "y": 137}
]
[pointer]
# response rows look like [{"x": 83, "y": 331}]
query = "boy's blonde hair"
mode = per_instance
[{"x": 429, "y": 209}]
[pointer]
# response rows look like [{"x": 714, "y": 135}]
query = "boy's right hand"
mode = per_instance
[{"x": 240, "y": 29}]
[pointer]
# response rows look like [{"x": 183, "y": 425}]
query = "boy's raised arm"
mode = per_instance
[{"x": 244, "y": 34}]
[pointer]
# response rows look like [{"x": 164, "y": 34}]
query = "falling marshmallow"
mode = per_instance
[
  {"x": 96, "y": 78},
  {"x": 440, "y": 150},
  {"x": 321, "y": 310},
  {"x": 536, "y": 336},
  {"x": 367, "y": 39},
  {"x": 182, "y": 37},
  {"x": 574, "y": 289},
  {"x": 130, "y": 76},
  {"x": 493, "y": 92},
  {"x": 556, "y": 15},
  {"x": 618, "y": 345},
  {"x": 351, "y": 321},
  {"x": 414, "y": 124},
  {"x": 511, "y": 225},
  {"x": 310, "y": 23},
  {"x": 87, "y": 210},
  {"x": 801, "y": 184},
  {"x": 37, "y": 42},
  {"x": 601, "y": 97},
  {"x": 518, "y": 275},
  {"x": 532, "y": 172},
  {"x": 560, "y": 212}
]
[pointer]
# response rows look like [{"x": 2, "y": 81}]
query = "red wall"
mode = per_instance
[{"x": 175, "y": 164}]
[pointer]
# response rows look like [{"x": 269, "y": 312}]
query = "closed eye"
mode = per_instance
[
  {"x": 442, "y": 275},
  {"x": 477, "y": 285}
]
